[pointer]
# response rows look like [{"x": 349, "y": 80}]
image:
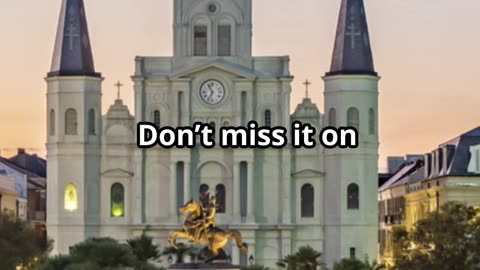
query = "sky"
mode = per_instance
[{"x": 427, "y": 53}]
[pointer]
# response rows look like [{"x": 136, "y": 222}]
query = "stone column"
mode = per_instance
[
  {"x": 186, "y": 181},
  {"x": 173, "y": 192},
  {"x": 250, "y": 194},
  {"x": 237, "y": 196}
]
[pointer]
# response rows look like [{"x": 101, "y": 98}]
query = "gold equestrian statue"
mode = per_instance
[{"x": 200, "y": 227}]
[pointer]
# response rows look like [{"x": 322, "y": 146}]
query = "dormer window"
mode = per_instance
[{"x": 474, "y": 164}]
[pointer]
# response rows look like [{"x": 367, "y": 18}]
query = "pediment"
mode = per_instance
[
  {"x": 236, "y": 70},
  {"x": 117, "y": 173},
  {"x": 308, "y": 173}
]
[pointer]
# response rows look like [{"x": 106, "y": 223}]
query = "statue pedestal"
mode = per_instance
[{"x": 207, "y": 266}]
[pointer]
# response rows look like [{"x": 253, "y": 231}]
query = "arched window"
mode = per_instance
[
  {"x": 117, "y": 200},
  {"x": 307, "y": 201},
  {"x": 52, "y": 123},
  {"x": 353, "y": 118},
  {"x": 200, "y": 38},
  {"x": 267, "y": 118},
  {"x": 71, "y": 122},
  {"x": 71, "y": 198},
  {"x": 156, "y": 118},
  {"x": 353, "y": 200},
  {"x": 91, "y": 122},
  {"x": 220, "y": 194},
  {"x": 204, "y": 188},
  {"x": 214, "y": 127},
  {"x": 224, "y": 39},
  {"x": 332, "y": 118},
  {"x": 371, "y": 121}
]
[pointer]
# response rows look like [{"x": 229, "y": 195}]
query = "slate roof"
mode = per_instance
[
  {"x": 73, "y": 54},
  {"x": 457, "y": 162},
  {"x": 352, "y": 53},
  {"x": 31, "y": 163}
]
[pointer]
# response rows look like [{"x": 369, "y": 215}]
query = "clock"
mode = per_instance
[{"x": 212, "y": 92}]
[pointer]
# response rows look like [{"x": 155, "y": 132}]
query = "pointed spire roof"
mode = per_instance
[
  {"x": 352, "y": 53},
  {"x": 73, "y": 54}
]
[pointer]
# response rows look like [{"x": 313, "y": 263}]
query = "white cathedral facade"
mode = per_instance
[{"x": 101, "y": 185}]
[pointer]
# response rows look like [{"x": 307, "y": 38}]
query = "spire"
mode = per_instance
[
  {"x": 73, "y": 54},
  {"x": 352, "y": 53}
]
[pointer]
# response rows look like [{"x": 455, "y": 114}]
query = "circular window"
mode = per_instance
[{"x": 212, "y": 8}]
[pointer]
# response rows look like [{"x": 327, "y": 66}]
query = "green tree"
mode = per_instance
[
  {"x": 144, "y": 248},
  {"x": 93, "y": 254},
  {"x": 19, "y": 244},
  {"x": 356, "y": 264},
  {"x": 306, "y": 258},
  {"x": 445, "y": 240}
]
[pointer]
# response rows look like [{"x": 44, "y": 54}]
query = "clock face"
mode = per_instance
[{"x": 212, "y": 92}]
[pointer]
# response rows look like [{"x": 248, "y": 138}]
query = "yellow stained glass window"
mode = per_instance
[
  {"x": 71, "y": 198},
  {"x": 117, "y": 200}
]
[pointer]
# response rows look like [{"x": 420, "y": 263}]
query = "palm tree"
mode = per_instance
[
  {"x": 306, "y": 258},
  {"x": 355, "y": 264},
  {"x": 144, "y": 248}
]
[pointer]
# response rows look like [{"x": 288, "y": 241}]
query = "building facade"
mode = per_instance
[
  {"x": 101, "y": 184},
  {"x": 449, "y": 173}
]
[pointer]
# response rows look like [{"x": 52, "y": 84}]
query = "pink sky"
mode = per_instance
[{"x": 427, "y": 53}]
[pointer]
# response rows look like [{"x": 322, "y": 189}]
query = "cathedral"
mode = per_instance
[{"x": 102, "y": 185}]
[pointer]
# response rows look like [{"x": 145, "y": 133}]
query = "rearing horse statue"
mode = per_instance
[{"x": 200, "y": 228}]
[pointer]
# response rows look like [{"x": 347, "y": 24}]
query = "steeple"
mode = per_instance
[
  {"x": 73, "y": 54},
  {"x": 352, "y": 53}
]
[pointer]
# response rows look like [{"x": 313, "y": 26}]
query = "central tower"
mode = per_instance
[{"x": 213, "y": 28}]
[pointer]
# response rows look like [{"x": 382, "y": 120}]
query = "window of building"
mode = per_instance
[
  {"x": 91, "y": 122},
  {"x": 204, "y": 188},
  {"x": 371, "y": 121},
  {"x": 156, "y": 118},
  {"x": 214, "y": 127},
  {"x": 268, "y": 118},
  {"x": 352, "y": 252},
  {"x": 353, "y": 118},
  {"x": 243, "y": 188},
  {"x": 332, "y": 118},
  {"x": 224, "y": 40},
  {"x": 117, "y": 200},
  {"x": 220, "y": 195},
  {"x": 353, "y": 201},
  {"x": 180, "y": 177},
  {"x": 243, "y": 108},
  {"x": 200, "y": 40},
  {"x": 180, "y": 108},
  {"x": 71, "y": 198},
  {"x": 307, "y": 201},
  {"x": 71, "y": 122},
  {"x": 52, "y": 123}
]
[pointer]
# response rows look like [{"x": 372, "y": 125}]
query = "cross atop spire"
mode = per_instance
[
  {"x": 72, "y": 55},
  {"x": 118, "y": 85},
  {"x": 352, "y": 53},
  {"x": 307, "y": 83}
]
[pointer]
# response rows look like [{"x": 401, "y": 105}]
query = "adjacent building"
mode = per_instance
[
  {"x": 27, "y": 174},
  {"x": 449, "y": 173}
]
